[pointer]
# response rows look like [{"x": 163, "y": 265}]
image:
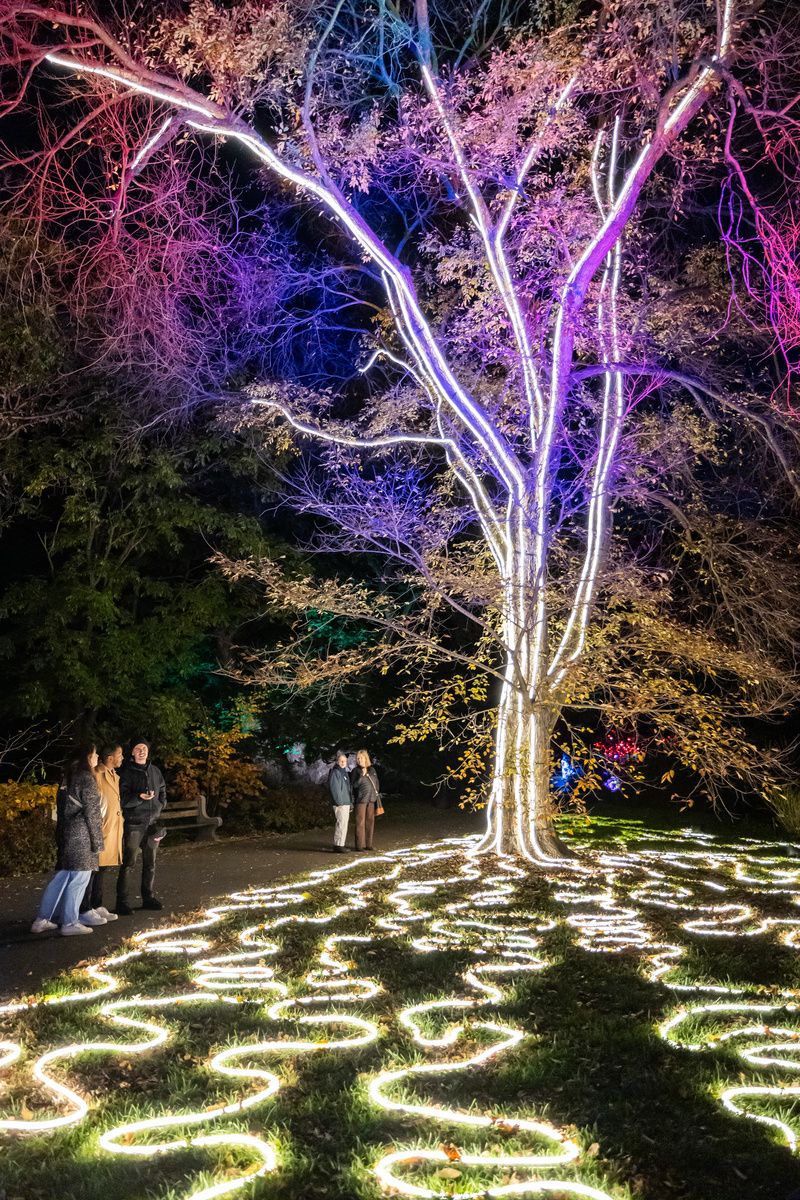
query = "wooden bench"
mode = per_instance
[{"x": 191, "y": 814}]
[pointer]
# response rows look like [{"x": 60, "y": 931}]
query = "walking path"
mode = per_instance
[{"x": 189, "y": 875}]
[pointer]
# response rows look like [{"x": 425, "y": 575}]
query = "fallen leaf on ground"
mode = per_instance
[{"x": 504, "y": 1126}]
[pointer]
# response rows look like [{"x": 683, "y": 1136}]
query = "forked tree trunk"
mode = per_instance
[
  {"x": 520, "y": 809},
  {"x": 520, "y": 812}
]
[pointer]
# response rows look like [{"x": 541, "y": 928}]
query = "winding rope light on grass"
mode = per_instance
[
  {"x": 510, "y": 949},
  {"x": 503, "y": 949},
  {"x": 215, "y": 976},
  {"x": 433, "y": 899},
  {"x": 757, "y": 1044}
]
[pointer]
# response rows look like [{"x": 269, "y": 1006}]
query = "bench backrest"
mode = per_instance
[{"x": 180, "y": 812}]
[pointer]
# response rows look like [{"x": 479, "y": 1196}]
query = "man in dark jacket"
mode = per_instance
[
  {"x": 143, "y": 795},
  {"x": 341, "y": 793}
]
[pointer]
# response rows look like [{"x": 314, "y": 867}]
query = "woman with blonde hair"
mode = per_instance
[{"x": 366, "y": 798}]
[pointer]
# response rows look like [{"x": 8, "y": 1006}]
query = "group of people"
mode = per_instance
[
  {"x": 107, "y": 811},
  {"x": 357, "y": 791}
]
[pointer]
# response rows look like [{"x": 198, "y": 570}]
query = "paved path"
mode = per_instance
[{"x": 189, "y": 876}]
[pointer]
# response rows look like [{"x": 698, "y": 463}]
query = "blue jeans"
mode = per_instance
[{"x": 63, "y": 896}]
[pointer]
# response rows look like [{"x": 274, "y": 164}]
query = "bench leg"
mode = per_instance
[{"x": 206, "y": 833}]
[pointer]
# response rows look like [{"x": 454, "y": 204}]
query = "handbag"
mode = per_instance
[
  {"x": 379, "y": 809},
  {"x": 72, "y": 808}
]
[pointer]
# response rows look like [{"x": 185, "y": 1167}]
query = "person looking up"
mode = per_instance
[
  {"x": 107, "y": 778},
  {"x": 341, "y": 794},
  {"x": 143, "y": 796},
  {"x": 79, "y": 838}
]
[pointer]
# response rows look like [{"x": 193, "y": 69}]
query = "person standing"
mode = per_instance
[
  {"x": 366, "y": 796},
  {"x": 143, "y": 795},
  {"x": 111, "y": 855},
  {"x": 341, "y": 793},
  {"x": 79, "y": 838}
]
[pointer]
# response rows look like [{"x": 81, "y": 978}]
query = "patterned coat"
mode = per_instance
[{"x": 79, "y": 824}]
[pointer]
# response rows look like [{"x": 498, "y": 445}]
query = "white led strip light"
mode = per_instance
[
  {"x": 504, "y": 948},
  {"x": 213, "y": 977}
]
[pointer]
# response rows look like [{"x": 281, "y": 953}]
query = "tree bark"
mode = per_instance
[{"x": 521, "y": 813}]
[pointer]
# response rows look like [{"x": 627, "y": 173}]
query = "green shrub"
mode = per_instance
[
  {"x": 26, "y": 827},
  {"x": 218, "y": 767},
  {"x": 27, "y": 843},
  {"x": 285, "y": 808},
  {"x": 786, "y": 806}
]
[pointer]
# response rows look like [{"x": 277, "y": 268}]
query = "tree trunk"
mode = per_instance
[{"x": 520, "y": 811}]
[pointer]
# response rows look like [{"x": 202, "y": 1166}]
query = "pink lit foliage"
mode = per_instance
[
  {"x": 619, "y": 748},
  {"x": 760, "y": 199},
  {"x": 170, "y": 282},
  {"x": 492, "y": 213}
]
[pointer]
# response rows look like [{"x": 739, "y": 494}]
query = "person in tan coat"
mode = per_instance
[{"x": 107, "y": 778}]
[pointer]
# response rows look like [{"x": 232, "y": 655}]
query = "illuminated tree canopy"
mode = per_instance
[{"x": 504, "y": 198}]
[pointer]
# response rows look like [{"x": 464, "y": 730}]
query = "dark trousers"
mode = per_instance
[
  {"x": 365, "y": 825},
  {"x": 93, "y": 896},
  {"x": 134, "y": 839}
]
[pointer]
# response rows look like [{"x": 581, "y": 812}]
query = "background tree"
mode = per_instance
[
  {"x": 112, "y": 499},
  {"x": 109, "y": 611},
  {"x": 111, "y": 620},
  {"x": 531, "y": 176}
]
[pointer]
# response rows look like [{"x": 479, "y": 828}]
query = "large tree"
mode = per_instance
[{"x": 506, "y": 199}]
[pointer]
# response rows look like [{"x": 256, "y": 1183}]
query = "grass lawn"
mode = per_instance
[{"x": 423, "y": 1023}]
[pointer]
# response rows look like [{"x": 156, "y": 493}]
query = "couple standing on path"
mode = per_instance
[
  {"x": 103, "y": 819},
  {"x": 354, "y": 790}
]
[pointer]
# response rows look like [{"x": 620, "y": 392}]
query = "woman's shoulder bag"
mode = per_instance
[{"x": 379, "y": 809}]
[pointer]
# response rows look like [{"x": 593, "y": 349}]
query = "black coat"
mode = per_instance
[
  {"x": 366, "y": 789},
  {"x": 135, "y": 779},
  {"x": 79, "y": 823}
]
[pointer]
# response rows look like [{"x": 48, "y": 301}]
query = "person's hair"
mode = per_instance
[
  {"x": 79, "y": 761},
  {"x": 368, "y": 762},
  {"x": 107, "y": 749},
  {"x": 340, "y": 754}
]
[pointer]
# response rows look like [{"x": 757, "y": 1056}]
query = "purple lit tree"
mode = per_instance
[{"x": 532, "y": 174}]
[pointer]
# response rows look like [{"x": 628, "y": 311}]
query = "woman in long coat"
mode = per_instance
[
  {"x": 111, "y": 854},
  {"x": 366, "y": 795},
  {"x": 79, "y": 839}
]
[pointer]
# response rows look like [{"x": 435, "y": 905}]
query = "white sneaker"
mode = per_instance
[
  {"x": 91, "y": 917},
  {"x": 109, "y": 916},
  {"x": 40, "y": 925},
  {"x": 71, "y": 930}
]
